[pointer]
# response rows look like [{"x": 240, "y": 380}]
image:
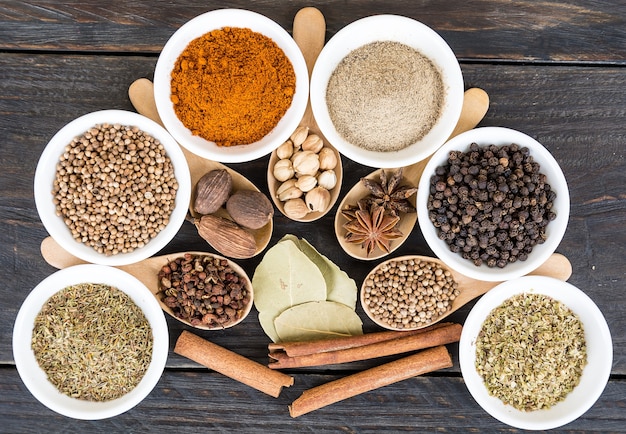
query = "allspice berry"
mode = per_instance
[
  {"x": 250, "y": 208},
  {"x": 212, "y": 191}
]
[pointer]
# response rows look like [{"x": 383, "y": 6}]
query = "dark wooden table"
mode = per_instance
[{"x": 554, "y": 70}]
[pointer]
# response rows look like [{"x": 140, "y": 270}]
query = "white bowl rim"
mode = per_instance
[
  {"x": 555, "y": 230},
  {"x": 200, "y": 25},
  {"x": 595, "y": 374},
  {"x": 35, "y": 378},
  {"x": 46, "y": 169},
  {"x": 388, "y": 27}
]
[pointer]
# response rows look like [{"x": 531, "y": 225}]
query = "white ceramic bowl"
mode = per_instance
[
  {"x": 595, "y": 374},
  {"x": 46, "y": 171},
  {"x": 36, "y": 379},
  {"x": 554, "y": 230},
  {"x": 199, "y": 26},
  {"x": 409, "y": 32}
]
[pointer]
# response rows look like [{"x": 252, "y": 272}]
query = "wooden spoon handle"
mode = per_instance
[{"x": 138, "y": 92}]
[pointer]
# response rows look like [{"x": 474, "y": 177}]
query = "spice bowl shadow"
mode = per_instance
[
  {"x": 196, "y": 28},
  {"x": 430, "y": 47},
  {"x": 89, "y": 176},
  {"x": 35, "y": 378},
  {"x": 554, "y": 230},
  {"x": 599, "y": 353}
]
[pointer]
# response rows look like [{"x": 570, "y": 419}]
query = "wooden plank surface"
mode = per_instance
[
  {"x": 560, "y": 31},
  {"x": 554, "y": 70}
]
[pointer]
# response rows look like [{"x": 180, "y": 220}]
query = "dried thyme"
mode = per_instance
[
  {"x": 93, "y": 342},
  {"x": 531, "y": 352}
]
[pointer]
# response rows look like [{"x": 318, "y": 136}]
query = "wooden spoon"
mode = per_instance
[
  {"x": 475, "y": 105},
  {"x": 309, "y": 30},
  {"x": 556, "y": 266},
  {"x": 146, "y": 271},
  {"x": 141, "y": 94}
]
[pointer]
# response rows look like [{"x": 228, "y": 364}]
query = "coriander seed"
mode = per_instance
[
  {"x": 409, "y": 293},
  {"x": 115, "y": 188}
]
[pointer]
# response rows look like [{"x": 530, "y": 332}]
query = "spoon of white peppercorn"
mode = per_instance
[
  {"x": 475, "y": 106},
  {"x": 428, "y": 303},
  {"x": 147, "y": 271}
]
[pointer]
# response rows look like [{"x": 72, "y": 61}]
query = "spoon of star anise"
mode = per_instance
[{"x": 378, "y": 214}]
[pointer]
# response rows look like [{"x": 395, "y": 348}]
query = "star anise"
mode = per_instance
[
  {"x": 371, "y": 227},
  {"x": 389, "y": 194}
]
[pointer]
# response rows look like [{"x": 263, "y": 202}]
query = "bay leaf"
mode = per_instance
[
  {"x": 286, "y": 277},
  {"x": 266, "y": 319},
  {"x": 317, "y": 320},
  {"x": 340, "y": 287}
]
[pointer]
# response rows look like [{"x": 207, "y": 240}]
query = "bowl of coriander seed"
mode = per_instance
[
  {"x": 112, "y": 187},
  {"x": 113, "y": 347}
]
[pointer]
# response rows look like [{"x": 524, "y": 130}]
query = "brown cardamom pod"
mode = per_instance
[
  {"x": 226, "y": 236},
  {"x": 250, "y": 208},
  {"x": 212, "y": 191}
]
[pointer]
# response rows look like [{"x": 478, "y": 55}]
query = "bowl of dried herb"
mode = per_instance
[
  {"x": 535, "y": 352},
  {"x": 90, "y": 342},
  {"x": 493, "y": 204},
  {"x": 231, "y": 85},
  {"x": 112, "y": 187},
  {"x": 386, "y": 91}
]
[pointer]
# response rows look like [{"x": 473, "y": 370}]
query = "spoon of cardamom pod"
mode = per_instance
[
  {"x": 475, "y": 106},
  {"x": 307, "y": 196},
  {"x": 147, "y": 271},
  {"x": 437, "y": 303},
  {"x": 141, "y": 94}
]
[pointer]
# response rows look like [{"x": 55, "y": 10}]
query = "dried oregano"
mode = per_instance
[
  {"x": 531, "y": 351},
  {"x": 93, "y": 342}
]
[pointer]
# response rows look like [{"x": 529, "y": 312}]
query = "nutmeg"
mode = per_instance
[
  {"x": 226, "y": 236},
  {"x": 250, "y": 208},
  {"x": 212, "y": 191}
]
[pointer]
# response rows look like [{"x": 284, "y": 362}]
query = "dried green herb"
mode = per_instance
[
  {"x": 531, "y": 351},
  {"x": 93, "y": 342}
]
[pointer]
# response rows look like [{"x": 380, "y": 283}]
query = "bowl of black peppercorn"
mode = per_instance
[{"x": 493, "y": 203}]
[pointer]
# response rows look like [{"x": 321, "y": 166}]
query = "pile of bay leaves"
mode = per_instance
[{"x": 302, "y": 295}]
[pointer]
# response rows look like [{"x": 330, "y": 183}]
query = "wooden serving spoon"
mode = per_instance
[
  {"x": 556, "y": 266},
  {"x": 475, "y": 105},
  {"x": 141, "y": 94},
  {"x": 309, "y": 30},
  {"x": 146, "y": 271}
]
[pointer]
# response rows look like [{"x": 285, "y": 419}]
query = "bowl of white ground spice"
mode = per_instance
[
  {"x": 90, "y": 342},
  {"x": 112, "y": 187},
  {"x": 493, "y": 204},
  {"x": 386, "y": 91},
  {"x": 535, "y": 352}
]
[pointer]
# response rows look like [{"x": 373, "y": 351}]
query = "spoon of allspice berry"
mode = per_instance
[
  {"x": 304, "y": 174},
  {"x": 403, "y": 181},
  {"x": 166, "y": 280}
]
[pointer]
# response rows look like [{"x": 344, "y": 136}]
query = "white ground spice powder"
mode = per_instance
[{"x": 385, "y": 96}]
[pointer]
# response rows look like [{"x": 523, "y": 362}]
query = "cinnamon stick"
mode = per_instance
[
  {"x": 445, "y": 334},
  {"x": 420, "y": 363},
  {"x": 301, "y": 348},
  {"x": 231, "y": 364}
]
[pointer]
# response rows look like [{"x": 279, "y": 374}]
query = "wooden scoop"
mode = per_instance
[
  {"x": 556, "y": 266},
  {"x": 475, "y": 105},
  {"x": 141, "y": 94},
  {"x": 146, "y": 271},
  {"x": 309, "y": 30}
]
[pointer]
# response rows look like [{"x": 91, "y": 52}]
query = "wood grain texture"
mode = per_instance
[
  {"x": 557, "y": 31},
  {"x": 201, "y": 401}
]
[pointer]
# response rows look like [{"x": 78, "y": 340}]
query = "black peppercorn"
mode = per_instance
[{"x": 491, "y": 204}]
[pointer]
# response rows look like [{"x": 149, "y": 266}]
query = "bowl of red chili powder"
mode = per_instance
[{"x": 231, "y": 85}]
